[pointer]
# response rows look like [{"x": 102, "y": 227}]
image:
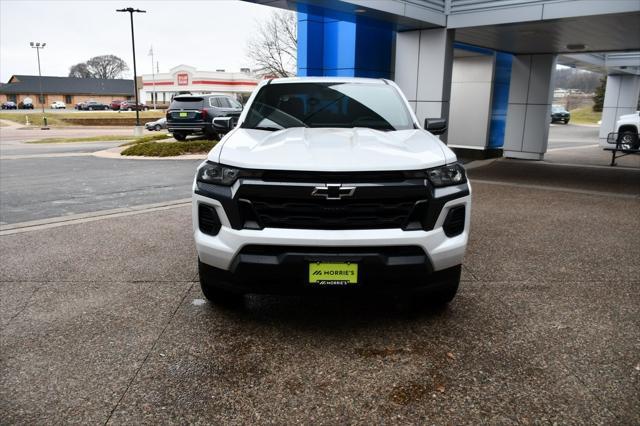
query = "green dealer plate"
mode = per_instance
[
  {"x": 184, "y": 114},
  {"x": 330, "y": 274}
]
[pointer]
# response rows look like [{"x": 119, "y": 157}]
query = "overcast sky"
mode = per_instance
[{"x": 207, "y": 34}]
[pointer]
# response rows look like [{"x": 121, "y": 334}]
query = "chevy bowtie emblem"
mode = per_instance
[{"x": 333, "y": 191}]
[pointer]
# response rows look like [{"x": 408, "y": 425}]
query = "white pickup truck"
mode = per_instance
[
  {"x": 330, "y": 182},
  {"x": 627, "y": 128}
]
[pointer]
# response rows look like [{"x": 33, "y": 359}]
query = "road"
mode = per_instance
[
  {"x": 571, "y": 135},
  {"x": 40, "y": 181}
]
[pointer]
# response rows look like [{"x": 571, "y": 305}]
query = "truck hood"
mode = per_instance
[
  {"x": 331, "y": 149},
  {"x": 632, "y": 116}
]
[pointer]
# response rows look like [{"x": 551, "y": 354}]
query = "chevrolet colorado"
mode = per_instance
[{"x": 329, "y": 183}]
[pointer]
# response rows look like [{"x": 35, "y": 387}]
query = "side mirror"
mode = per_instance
[
  {"x": 435, "y": 126},
  {"x": 222, "y": 123}
]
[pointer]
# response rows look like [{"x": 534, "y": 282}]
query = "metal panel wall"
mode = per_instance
[{"x": 470, "y": 110}]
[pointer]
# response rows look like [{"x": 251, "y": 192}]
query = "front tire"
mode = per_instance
[
  {"x": 629, "y": 138},
  {"x": 444, "y": 293},
  {"x": 210, "y": 283},
  {"x": 157, "y": 127}
]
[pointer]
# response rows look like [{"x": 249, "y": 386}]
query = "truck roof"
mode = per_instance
[{"x": 328, "y": 80}]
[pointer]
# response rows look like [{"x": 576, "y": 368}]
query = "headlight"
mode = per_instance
[
  {"x": 217, "y": 174},
  {"x": 451, "y": 174}
]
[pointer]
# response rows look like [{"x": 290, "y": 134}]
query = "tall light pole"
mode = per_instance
[
  {"x": 135, "y": 74},
  {"x": 153, "y": 73},
  {"x": 39, "y": 46}
]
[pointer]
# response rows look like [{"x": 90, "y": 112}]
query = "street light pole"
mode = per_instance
[
  {"x": 39, "y": 46},
  {"x": 153, "y": 73},
  {"x": 135, "y": 74}
]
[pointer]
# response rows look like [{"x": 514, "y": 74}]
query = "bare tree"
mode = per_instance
[
  {"x": 105, "y": 66},
  {"x": 80, "y": 71},
  {"x": 273, "y": 49}
]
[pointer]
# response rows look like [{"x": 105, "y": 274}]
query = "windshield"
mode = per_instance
[
  {"x": 557, "y": 109},
  {"x": 279, "y": 106}
]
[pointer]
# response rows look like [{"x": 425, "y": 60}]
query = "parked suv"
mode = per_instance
[
  {"x": 559, "y": 113},
  {"x": 192, "y": 114},
  {"x": 330, "y": 182},
  {"x": 27, "y": 103},
  {"x": 115, "y": 104}
]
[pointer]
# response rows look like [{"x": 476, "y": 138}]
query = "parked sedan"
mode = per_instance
[
  {"x": 93, "y": 106},
  {"x": 558, "y": 113},
  {"x": 9, "y": 105},
  {"x": 131, "y": 106},
  {"x": 156, "y": 125},
  {"x": 58, "y": 105}
]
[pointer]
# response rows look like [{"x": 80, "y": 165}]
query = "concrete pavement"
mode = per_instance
[{"x": 103, "y": 322}]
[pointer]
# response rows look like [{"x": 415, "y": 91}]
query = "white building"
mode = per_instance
[{"x": 187, "y": 79}]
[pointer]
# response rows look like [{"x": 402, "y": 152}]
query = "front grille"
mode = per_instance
[{"x": 333, "y": 214}]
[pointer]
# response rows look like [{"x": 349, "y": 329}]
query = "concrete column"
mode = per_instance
[
  {"x": 424, "y": 59},
  {"x": 528, "y": 112},
  {"x": 620, "y": 97}
]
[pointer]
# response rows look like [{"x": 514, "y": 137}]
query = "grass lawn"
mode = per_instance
[
  {"x": 34, "y": 119},
  {"x": 585, "y": 115},
  {"x": 132, "y": 139},
  {"x": 169, "y": 149}
]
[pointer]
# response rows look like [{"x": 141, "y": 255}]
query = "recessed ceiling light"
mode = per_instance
[
  {"x": 360, "y": 10},
  {"x": 576, "y": 46}
]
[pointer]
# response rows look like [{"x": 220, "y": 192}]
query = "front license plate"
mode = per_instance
[
  {"x": 184, "y": 114},
  {"x": 333, "y": 274}
]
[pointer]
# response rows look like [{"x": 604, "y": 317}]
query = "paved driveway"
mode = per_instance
[
  {"x": 103, "y": 322},
  {"x": 42, "y": 181}
]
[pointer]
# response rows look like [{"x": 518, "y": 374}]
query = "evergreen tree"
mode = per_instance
[{"x": 598, "y": 97}]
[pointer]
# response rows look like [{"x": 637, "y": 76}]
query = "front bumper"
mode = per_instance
[{"x": 440, "y": 251}]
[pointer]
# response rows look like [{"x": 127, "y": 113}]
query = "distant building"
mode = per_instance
[
  {"x": 186, "y": 79},
  {"x": 69, "y": 90}
]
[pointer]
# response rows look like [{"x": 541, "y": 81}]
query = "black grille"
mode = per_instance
[
  {"x": 333, "y": 214},
  {"x": 208, "y": 220}
]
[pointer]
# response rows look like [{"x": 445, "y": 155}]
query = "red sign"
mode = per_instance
[{"x": 183, "y": 79}]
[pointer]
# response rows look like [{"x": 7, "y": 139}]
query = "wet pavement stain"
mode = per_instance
[{"x": 408, "y": 393}]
